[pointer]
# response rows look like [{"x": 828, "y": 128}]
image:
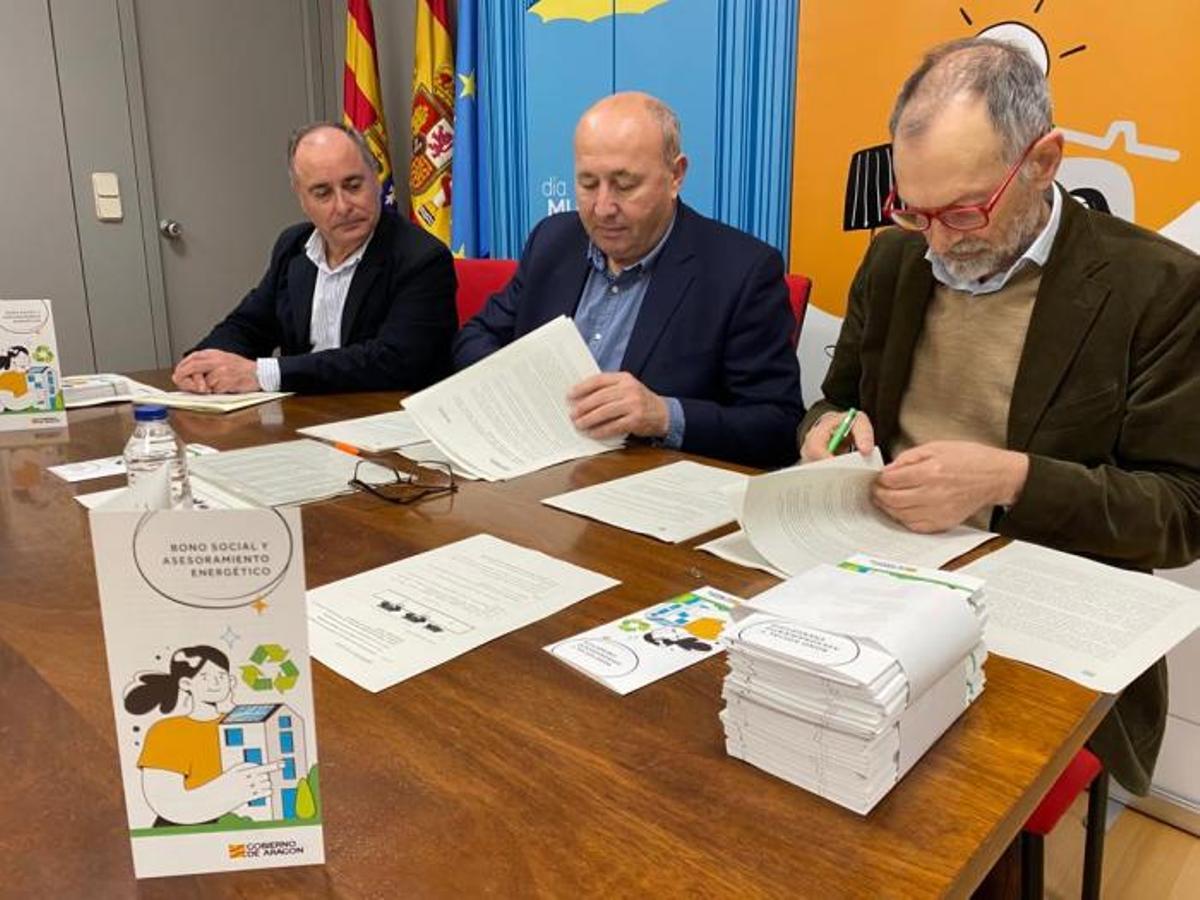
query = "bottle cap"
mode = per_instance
[{"x": 149, "y": 413}]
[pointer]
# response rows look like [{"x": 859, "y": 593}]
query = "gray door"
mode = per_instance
[{"x": 225, "y": 82}]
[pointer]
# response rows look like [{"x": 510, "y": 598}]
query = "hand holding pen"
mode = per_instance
[{"x": 830, "y": 434}]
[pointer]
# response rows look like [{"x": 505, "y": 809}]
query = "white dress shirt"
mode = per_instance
[{"x": 328, "y": 302}]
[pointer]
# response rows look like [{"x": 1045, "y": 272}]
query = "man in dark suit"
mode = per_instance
[
  {"x": 1026, "y": 363},
  {"x": 352, "y": 300},
  {"x": 688, "y": 319}
]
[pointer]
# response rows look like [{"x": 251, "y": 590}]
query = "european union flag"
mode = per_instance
[{"x": 470, "y": 221}]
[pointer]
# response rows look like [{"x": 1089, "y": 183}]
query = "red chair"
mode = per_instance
[
  {"x": 478, "y": 279},
  {"x": 798, "y": 287},
  {"x": 1084, "y": 772}
]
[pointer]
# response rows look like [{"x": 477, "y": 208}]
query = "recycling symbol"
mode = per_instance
[
  {"x": 43, "y": 354},
  {"x": 274, "y": 658}
]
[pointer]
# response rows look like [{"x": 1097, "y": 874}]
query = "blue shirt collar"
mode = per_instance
[
  {"x": 1036, "y": 254},
  {"x": 600, "y": 262}
]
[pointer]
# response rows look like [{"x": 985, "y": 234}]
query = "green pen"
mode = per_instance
[{"x": 843, "y": 429}]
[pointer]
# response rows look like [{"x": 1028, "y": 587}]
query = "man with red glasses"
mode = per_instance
[{"x": 1027, "y": 365}]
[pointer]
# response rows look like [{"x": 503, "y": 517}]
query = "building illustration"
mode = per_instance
[{"x": 264, "y": 733}]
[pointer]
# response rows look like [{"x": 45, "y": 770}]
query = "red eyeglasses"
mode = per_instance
[{"x": 957, "y": 218}]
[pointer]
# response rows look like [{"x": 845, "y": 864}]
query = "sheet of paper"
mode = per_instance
[
  {"x": 822, "y": 513},
  {"x": 652, "y": 643},
  {"x": 204, "y": 496},
  {"x": 673, "y": 503},
  {"x": 375, "y": 434},
  {"x": 279, "y": 474},
  {"x": 391, "y": 623},
  {"x": 214, "y": 403},
  {"x": 507, "y": 415},
  {"x": 736, "y": 548},
  {"x": 211, "y": 683},
  {"x": 1094, "y": 624},
  {"x": 86, "y": 470}
]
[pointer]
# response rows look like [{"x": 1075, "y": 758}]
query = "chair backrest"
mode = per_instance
[
  {"x": 798, "y": 287},
  {"x": 478, "y": 279}
]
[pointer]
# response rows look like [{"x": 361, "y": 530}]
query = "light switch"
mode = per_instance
[{"x": 107, "y": 193}]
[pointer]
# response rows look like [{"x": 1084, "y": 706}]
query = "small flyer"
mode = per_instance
[
  {"x": 207, "y": 641},
  {"x": 650, "y": 644},
  {"x": 31, "y": 394}
]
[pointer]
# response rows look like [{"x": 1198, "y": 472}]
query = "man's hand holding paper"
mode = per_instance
[{"x": 614, "y": 404}]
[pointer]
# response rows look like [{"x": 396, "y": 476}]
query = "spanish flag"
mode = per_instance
[
  {"x": 362, "y": 99},
  {"x": 432, "y": 120}
]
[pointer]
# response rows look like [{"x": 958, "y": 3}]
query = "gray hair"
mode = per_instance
[
  {"x": 1003, "y": 74},
  {"x": 305, "y": 130},
  {"x": 666, "y": 119}
]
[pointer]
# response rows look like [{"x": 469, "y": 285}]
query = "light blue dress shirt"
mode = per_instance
[{"x": 608, "y": 309}]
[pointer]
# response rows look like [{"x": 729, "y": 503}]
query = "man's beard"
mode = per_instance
[{"x": 973, "y": 259}]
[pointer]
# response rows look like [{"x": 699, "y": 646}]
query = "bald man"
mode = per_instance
[
  {"x": 351, "y": 300},
  {"x": 688, "y": 319}
]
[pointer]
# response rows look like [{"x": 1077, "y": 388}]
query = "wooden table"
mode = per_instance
[{"x": 503, "y": 772}]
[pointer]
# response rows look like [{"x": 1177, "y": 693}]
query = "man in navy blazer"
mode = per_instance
[
  {"x": 688, "y": 319},
  {"x": 351, "y": 299}
]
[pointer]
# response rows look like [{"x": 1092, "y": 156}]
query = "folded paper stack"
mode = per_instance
[{"x": 842, "y": 677}]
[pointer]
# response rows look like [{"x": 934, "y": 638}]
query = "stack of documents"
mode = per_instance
[{"x": 842, "y": 677}]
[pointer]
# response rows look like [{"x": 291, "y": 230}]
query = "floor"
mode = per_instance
[{"x": 1143, "y": 857}]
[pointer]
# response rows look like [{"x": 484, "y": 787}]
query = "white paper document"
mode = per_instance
[
  {"x": 1097, "y": 625},
  {"x": 652, "y": 643},
  {"x": 280, "y": 474},
  {"x": 822, "y": 513},
  {"x": 507, "y": 415},
  {"x": 94, "y": 390},
  {"x": 204, "y": 496},
  {"x": 380, "y": 627},
  {"x": 673, "y": 503},
  {"x": 736, "y": 548},
  {"x": 375, "y": 434},
  {"x": 88, "y": 469}
]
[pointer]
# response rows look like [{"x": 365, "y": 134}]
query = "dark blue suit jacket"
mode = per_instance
[
  {"x": 397, "y": 324},
  {"x": 712, "y": 331}
]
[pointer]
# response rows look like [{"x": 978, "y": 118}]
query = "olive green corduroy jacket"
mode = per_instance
[{"x": 1106, "y": 402}]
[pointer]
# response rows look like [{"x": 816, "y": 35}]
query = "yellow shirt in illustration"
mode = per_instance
[{"x": 183, "y": 745}]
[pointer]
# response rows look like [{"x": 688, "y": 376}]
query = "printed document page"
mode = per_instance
[
  {"x": 822, "y": 512},
  {"x": 375, "y": 434},
  {"x": 736, "y": 548},
  {"x": 507, "y": 415},
  {"x": 380, "y": 627},
  {"x": 673, "y": 503},
  {"x": 93, "y": 390},
  {"x": 279, "y": 474},
  {"x": 1097, "y": 625}
]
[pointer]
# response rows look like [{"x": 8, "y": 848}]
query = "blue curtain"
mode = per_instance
[
  {"x": 502, "y": 120},
  {"x": 756, "y": 77}
]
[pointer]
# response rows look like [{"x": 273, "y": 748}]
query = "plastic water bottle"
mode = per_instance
[{"x": 154, "y": 444}]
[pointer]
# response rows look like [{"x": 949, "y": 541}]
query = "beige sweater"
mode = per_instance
[{"x": 964, "y": 366}]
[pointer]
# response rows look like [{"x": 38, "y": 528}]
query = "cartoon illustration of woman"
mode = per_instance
[
  {"x": 14, "y": 384},
  {"x": 182, "y": 779},
  {"x": 676, "y": 637}
]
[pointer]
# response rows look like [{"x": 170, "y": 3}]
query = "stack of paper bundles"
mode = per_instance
[{"x": 842, "y": 677}]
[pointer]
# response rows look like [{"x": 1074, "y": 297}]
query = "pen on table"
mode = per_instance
[
  {"x": 347, "y": 448},
  {"x": 843, "y": 429}
]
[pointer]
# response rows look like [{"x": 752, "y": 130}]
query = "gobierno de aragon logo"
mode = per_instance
[
  {"x": 265, "y": 849},
  {"x": 218, "y": 562}
]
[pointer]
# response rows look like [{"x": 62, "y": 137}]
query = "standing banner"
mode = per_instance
[
  {"x": 362, "y": 100},
  {"x": 1120, "y": 75},
  {"x": 207, "y": 641},
  {"x": 30, "y": 381},
  {"x": 432, "y": 120}
]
